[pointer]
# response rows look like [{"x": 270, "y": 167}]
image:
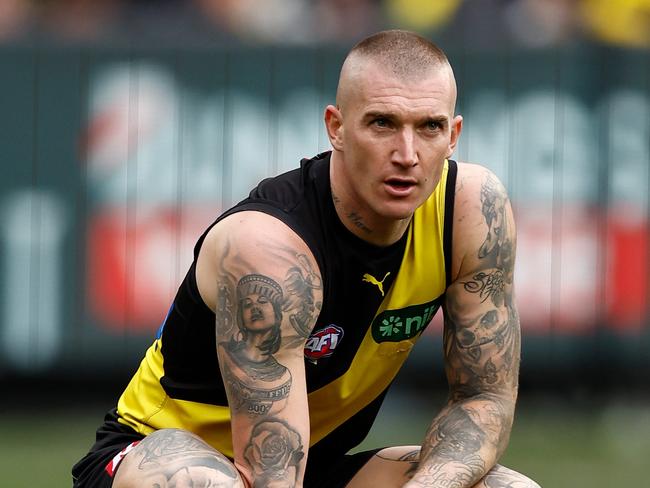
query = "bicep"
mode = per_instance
[
  {"x": 482, "y": 338},
  {"x": 268, "y": 296}
]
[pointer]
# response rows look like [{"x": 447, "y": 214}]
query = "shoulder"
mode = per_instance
[
  {"x": 482, "y": 215},
  {"x": 475, "y": 181},
  {"x": 250, "y": 225},
  {"x": 251, "y": 242},
  {"x": 476, "y": 188}
]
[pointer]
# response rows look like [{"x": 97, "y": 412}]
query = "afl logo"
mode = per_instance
[{"x": 322, "y": 343}]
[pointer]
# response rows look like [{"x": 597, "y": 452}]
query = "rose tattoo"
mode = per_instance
[{"x": 274, "y": 452}]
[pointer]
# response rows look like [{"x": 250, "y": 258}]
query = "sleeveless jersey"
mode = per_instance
[{"x": 377, "y": 301}]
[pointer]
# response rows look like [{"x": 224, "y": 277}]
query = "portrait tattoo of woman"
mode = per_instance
[{"x": 257, "y": 382}]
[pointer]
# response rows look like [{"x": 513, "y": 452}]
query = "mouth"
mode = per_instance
[
  {"x": 400, "y": 186},
  {"x": 256, "y": 315}
]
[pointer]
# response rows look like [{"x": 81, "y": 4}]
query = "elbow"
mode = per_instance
[{"x": 506, "y": 397}]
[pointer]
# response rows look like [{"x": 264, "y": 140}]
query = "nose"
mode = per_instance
[{"x": 405, "y": 153}]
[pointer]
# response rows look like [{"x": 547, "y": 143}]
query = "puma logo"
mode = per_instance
[{"x": 368, "y": 278}]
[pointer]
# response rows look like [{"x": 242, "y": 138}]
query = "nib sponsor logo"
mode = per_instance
[
  {"x": 402, "y": 324},
  {"x": 322, "y": 343}
]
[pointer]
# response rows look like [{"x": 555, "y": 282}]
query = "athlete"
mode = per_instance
[{"x": 304, "y": 300}]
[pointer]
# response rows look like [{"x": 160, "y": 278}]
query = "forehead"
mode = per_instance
[
  {"x": 375, "y": 89},
  {"x": 255, "y": 294}
]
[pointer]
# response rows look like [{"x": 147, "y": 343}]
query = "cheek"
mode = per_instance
[
  {"x": 370, "y": 156},
  {"x": 361, "y": 143},
  {"x": 434, "y": 176}
]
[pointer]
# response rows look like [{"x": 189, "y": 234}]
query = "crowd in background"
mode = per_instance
[{"x": 486, "y": 23}]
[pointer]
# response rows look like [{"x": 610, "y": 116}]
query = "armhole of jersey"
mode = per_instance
[
  {"x": 193, "y": 287},
  {"x": 450, "y": 197},
  {"x": 199, "y": 241}
]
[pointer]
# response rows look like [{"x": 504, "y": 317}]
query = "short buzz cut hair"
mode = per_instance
[{"x": 405, "y": 53}]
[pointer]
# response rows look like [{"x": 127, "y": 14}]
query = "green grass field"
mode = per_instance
[{"x": 560, "y": 446}]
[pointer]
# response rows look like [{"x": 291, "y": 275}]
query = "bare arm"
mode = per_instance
[
  {"x": 481, "y": 341},
  {"x": 267, "y": 296}
]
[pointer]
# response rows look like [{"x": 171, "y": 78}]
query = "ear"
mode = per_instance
[
  {"x": 334, "y": 126},
  {"x": 456, "y": 128}
]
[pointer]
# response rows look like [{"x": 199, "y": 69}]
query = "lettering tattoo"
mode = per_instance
[
  {"x": 171, "y": 457},
  {"x": 258, "y": 400},
  {"x": 353, "y": 216},
  {"x": 274, "y": 453},
  {"x": 487, "y": 285},
  {"x": 358, "y": 222}
]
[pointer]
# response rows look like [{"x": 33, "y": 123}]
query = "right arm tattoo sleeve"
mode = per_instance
[{"x": 264, "y": 315}]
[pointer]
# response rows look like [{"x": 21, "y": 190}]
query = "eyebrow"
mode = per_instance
[
  {"x": 378, "y": 114},
  {"x": 439, "y": 119}
]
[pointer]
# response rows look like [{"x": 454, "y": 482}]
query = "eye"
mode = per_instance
[
  {"x": 262, "y": 299},
  {"x": 381, "y": 122},
  {"x": 433, "y": 125}
]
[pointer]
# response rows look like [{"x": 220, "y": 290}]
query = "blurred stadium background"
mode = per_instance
[{"x": 127, "y": 125}]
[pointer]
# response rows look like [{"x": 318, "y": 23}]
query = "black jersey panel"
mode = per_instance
[
  {"x": 450, "y": 198},
  {"x": 189, "y": 348},
  {"x": 345, "y": 437}
]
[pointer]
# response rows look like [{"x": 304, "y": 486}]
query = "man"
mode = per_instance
[{"x": 319, "y": 285}]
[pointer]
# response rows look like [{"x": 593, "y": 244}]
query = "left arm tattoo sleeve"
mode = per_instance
[{"x": 481, "y": 348}]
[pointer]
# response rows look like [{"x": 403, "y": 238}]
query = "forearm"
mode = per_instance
[
  {"x": 274, "y": 454},
  {"x": 464, "y": 442},
  {"x": 269, "y": 421}
]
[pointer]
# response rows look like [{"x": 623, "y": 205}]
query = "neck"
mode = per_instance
[{"x": 358, "y": 217}]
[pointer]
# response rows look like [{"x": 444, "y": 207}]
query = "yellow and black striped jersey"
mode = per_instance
[{"x": 377, "y": 301}]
